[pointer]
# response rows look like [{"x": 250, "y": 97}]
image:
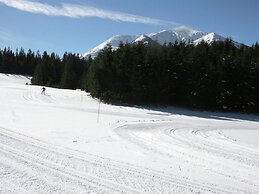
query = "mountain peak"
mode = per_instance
[
  {"x": 209, "y": 38},
  {"x": 114, "y": 41},
  {"x": 178, "y": 34}
]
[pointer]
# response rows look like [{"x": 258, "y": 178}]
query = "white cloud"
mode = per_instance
[{"x": 79, "y": 11}]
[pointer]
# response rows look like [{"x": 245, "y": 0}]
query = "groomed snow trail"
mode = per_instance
[
  {"x": 57, "y": 170},
  {"x": 229, "y": 166},
  {"x": 54, "y": 144}
]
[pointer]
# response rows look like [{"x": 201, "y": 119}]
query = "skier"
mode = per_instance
[{"x": 43, "y": 91}]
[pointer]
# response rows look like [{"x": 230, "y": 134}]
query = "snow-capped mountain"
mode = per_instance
[
  {"x": 163, "y": 37},
  {"x": 114, "y": 42},
  {"x": 176, "y": 35},
  {"x": 209, "y": 38}
]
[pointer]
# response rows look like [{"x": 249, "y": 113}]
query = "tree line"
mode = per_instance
[
  {"x": 18, "y": 62},
  {"x": 45, "y": 69},
  {"x": 218, "y": 76}
]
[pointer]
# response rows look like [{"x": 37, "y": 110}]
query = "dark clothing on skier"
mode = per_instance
[{"x": 43, "y": 91}]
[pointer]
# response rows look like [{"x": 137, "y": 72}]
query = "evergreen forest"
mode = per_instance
[{"x": 221, "y": 76}]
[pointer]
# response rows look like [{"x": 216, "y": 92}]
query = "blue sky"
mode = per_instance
[{"x": 78, "y": 25}]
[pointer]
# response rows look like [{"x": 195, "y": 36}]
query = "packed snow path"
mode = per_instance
[{"x": 54, "y": 144}]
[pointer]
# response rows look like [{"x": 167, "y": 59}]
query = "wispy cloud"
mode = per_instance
[{"x": 79, "y": 11}]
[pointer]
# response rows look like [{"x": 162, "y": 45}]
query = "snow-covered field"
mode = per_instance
[{"x": 56, "y": 143}]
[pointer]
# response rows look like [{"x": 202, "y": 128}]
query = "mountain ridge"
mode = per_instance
[{"x": 178, "y": 34}]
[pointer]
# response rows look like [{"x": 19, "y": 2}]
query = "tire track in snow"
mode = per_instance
[
  {"x": 91, "y": 172},
  {"x": 215, "y": 145},
  {"x": 192, "y": 150},
  {"x": 58, "y": 164},
  {"x": 229, "y": 158},
  {"x": 78, "y": 181}
]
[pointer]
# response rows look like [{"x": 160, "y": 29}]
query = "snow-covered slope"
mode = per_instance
[
  {"x": 209, "y": 38},
  {"x": 165, "y": 36},
  {"x": 67, "y": 142},
  {"x": 176, "y": 35},
  {"x": 114, "y": 42}
]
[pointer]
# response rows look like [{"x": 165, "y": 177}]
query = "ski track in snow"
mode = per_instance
[
  {"x": 200, "y": 149},
  {"x": 87, "y": 172},
  {"x": 198, "y": 156}
]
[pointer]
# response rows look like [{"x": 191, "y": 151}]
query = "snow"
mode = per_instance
[
  {"x": 54, "y": 143},
  {"x": 209, "y": 38},
  {"x": 248, "y": 137},
  {"x": 178, "y": 34},
  {"x": 141, "y": 38},
  {"x": 113, "y": 41}
]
